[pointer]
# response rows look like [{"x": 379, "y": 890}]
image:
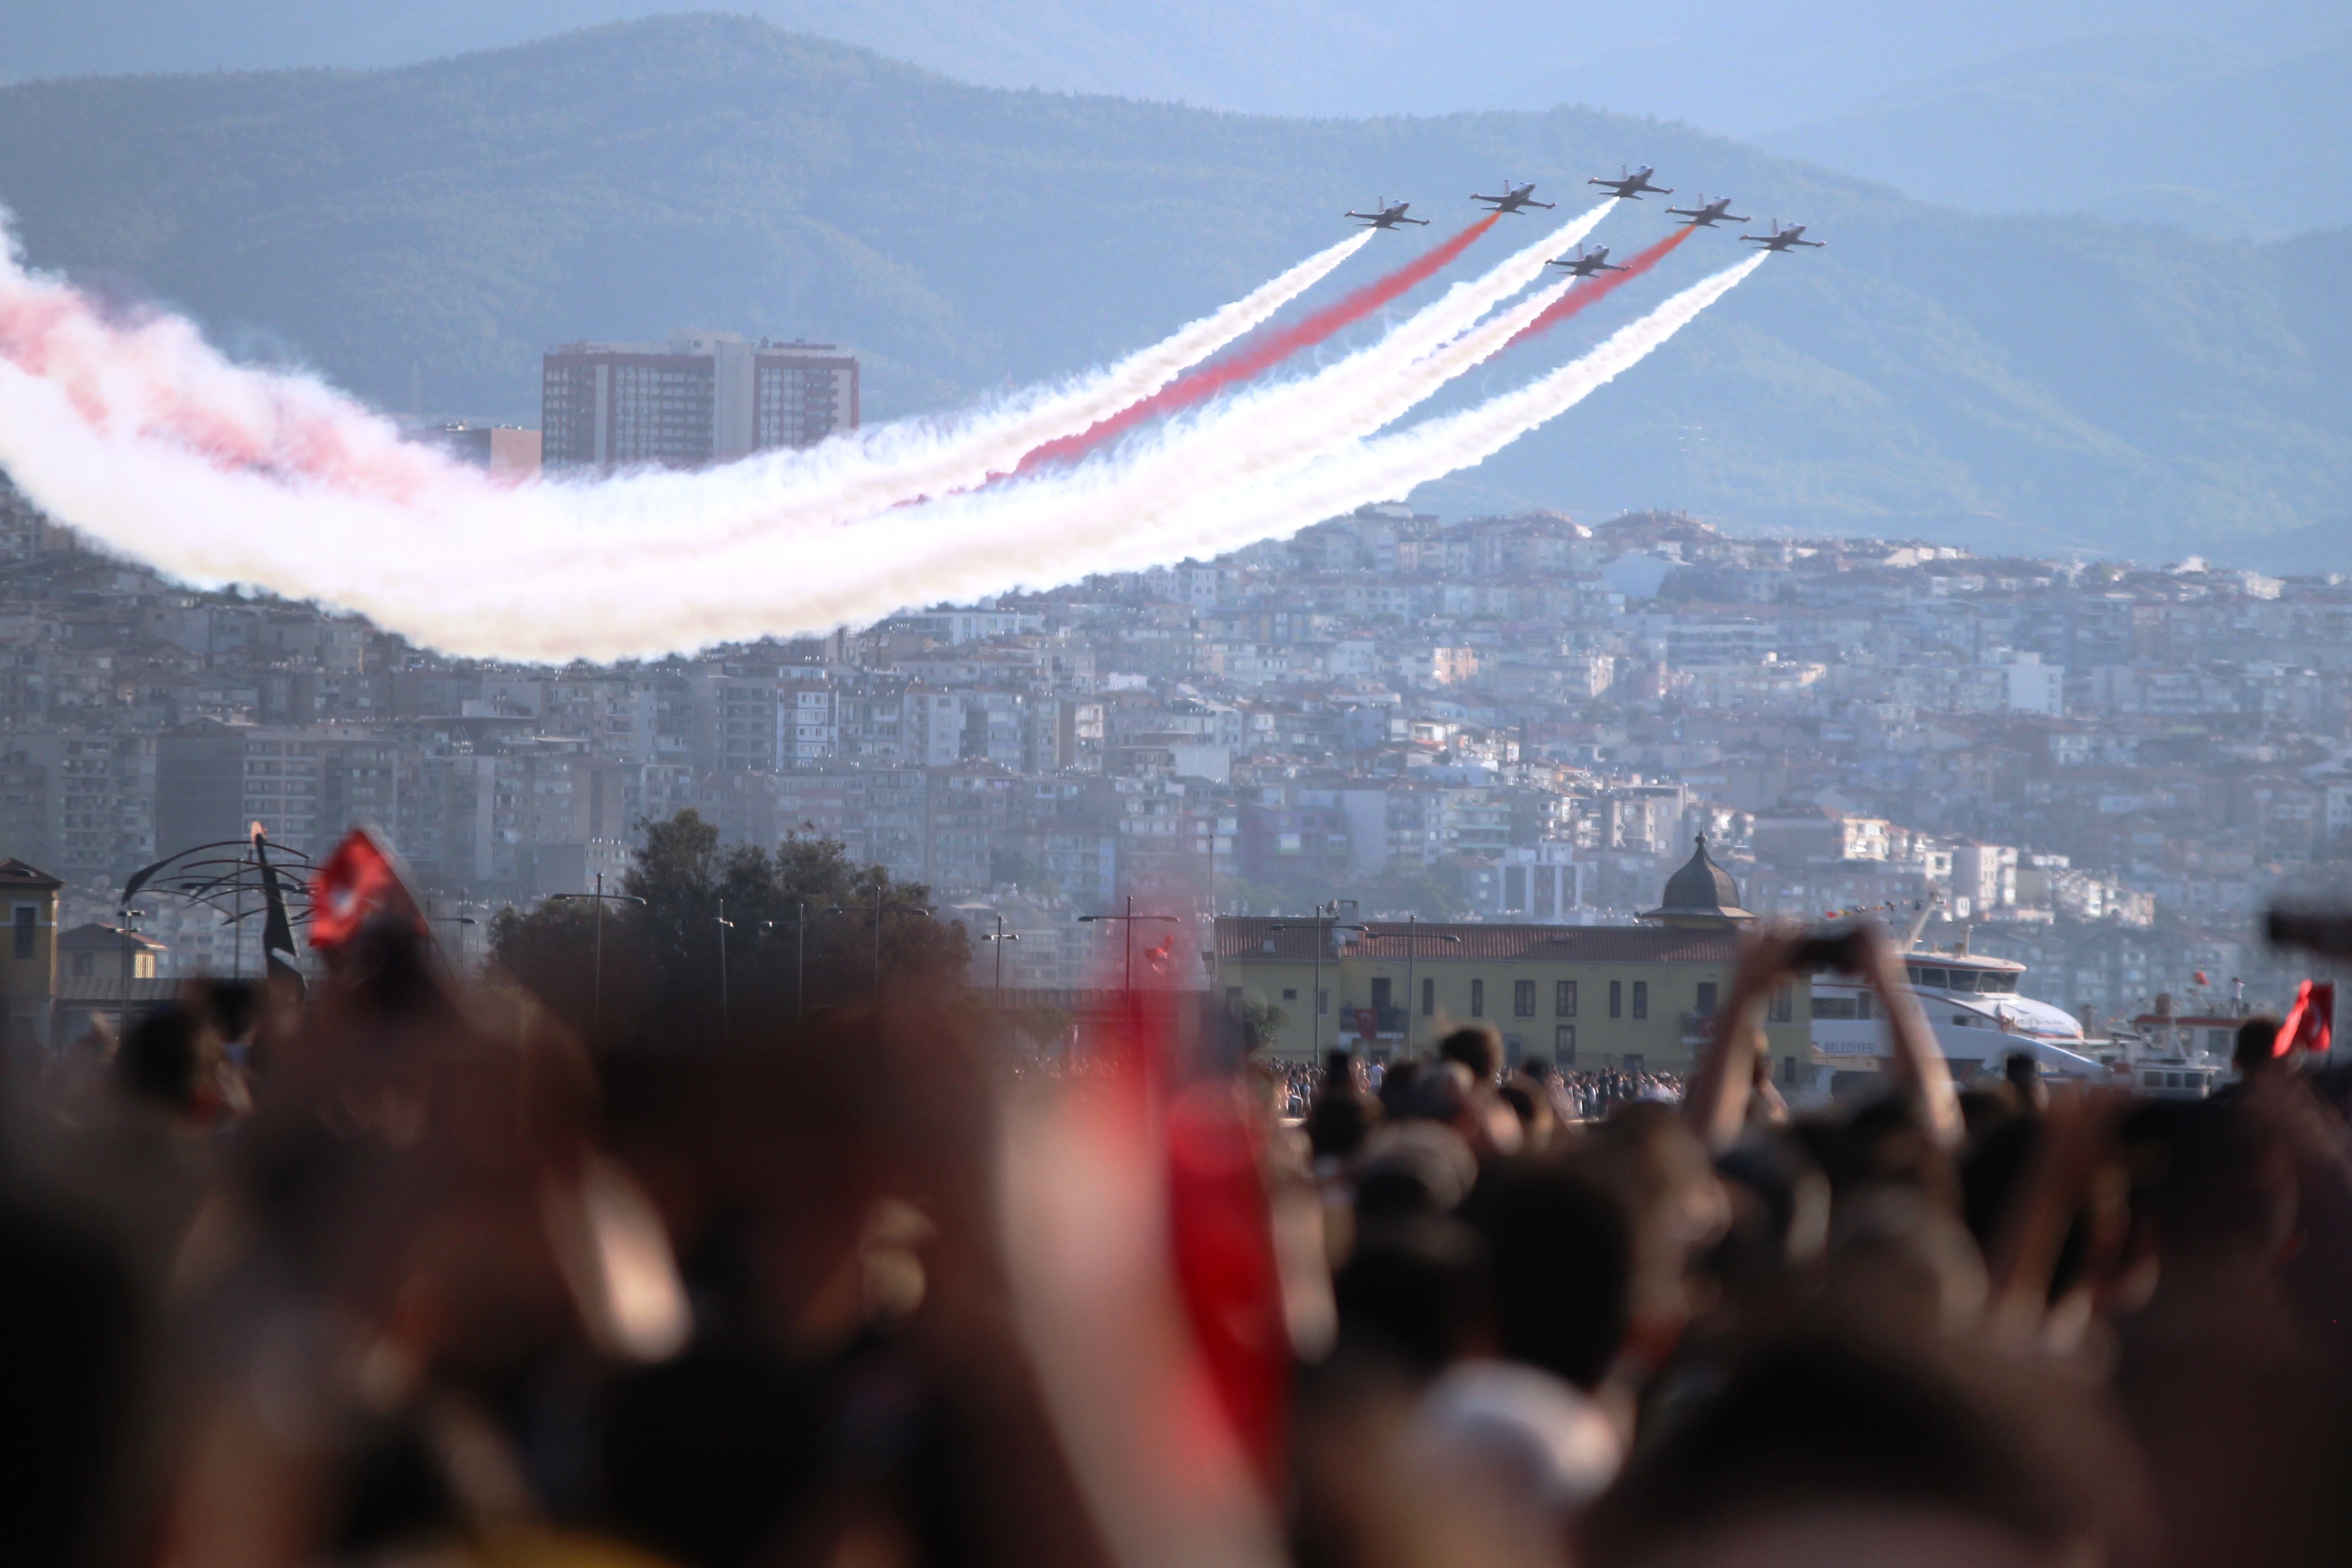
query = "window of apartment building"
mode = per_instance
[
  {"x": 1706, "y": 998},
  {"x": 1290, "y": 993},
  {"x": 1381, "y": 995},
  {"x": 1523, "y": 999},
  {"x": 1641, "y": 999},
  {"x": 23, "y": 927},
  {"x": 1563, "y": 1044},
  {"x": 1478, "y": 998},
  {"x": 1616, "y": 999},
  {"x": 1563, "y": 999},
  {"x": 1633, "y": 1058},
  {"x": 1428, "y": 997},
  {"x": 1782, "y": 1006},
  {"x": 1322, "y": 1004}
]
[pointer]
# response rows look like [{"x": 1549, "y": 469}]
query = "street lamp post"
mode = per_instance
[
  {"x": 1319, "y": 923},
  {"x": 130, "y": 918},
  {"x": 800, "y": 959},
  {"x": 1412, "y": 1003},
  {"x": 1000, "y": 938},
  {"x": 726, "y": 1014},
  {"x": 880, "y": 909},
  {"x": 1126, "y": 934},
  {"x": 433, "y": 919},
  {"x": 602, "y": 898}
]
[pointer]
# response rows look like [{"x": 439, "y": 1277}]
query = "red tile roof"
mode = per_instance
[{"x": 1243, "y": 938}]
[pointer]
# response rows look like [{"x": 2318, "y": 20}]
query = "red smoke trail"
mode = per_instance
[
  {"x": 158, "y": 382},
  {"x": 1188, "y": 390},
  {"x": 1593, "y": 291}
]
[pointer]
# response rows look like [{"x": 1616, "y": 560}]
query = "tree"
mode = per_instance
[{"x": 662, "y": 974}]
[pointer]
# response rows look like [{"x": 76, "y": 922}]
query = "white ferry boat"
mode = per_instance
[{"x": 1973, "y": 1006}]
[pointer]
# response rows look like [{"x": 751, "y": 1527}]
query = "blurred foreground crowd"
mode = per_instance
[{"x": 397, "y": 1272}]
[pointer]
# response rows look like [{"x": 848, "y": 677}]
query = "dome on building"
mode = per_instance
[{"x": 1701, "y": 894}]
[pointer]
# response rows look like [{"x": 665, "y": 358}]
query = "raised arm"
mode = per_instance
[
  {"x": 1717, "y": 1106},
  {"x": 1917, "y": 1064}
]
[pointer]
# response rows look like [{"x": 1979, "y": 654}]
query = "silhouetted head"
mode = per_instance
[
  {"x": 161, "y": 1059},
  {"x": 1479, "y": 1049},
  {"x": 2257, "y": 1039},
  {"x": 1561, "y": 1256}
]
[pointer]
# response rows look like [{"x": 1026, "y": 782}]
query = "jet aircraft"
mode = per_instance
[
  {"x": 1388, "y": 215},
  {"x": 1515, "y": 198},
  {"x": 1706, "y": 215},
  {"x": 1629, "y": 187},
  {"x": 1782, "y": 238},
  {"x": 1583, "y": 265}
]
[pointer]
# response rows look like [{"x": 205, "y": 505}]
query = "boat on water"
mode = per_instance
[{"x": 1972, "y": 1004}]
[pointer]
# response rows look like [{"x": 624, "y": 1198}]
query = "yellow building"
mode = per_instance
[
  {"x": 28, "y": 955},
  {"x": 1630, "y": 997}
]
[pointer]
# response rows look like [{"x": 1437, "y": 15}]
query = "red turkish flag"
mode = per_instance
[
  {"x": 1221, "y": 1236},
  {"x": 358, "y": 879},
  {"x": 2310, "y": 1023}
]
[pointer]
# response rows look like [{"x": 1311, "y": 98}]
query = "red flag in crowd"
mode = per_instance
[
  {"x": 360, "y": 878},
  {"x": 1221, "y": 1236},
  {"x": 2310, "y": 1023}
]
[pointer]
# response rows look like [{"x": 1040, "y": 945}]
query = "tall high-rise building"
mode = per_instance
[{"x": 703, "y": 397}]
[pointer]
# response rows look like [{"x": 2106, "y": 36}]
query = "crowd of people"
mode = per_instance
[
  {"x": 397, "y": 1271},
  {"x": 1576, "y": 1094}
]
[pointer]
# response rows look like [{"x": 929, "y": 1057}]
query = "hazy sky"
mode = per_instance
[{"x": 1743, "y": 67}]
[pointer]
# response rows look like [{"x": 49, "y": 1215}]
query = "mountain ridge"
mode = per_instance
[
  {"x": 2168, "y": 123},
  {"x": 421, "y": 233}
]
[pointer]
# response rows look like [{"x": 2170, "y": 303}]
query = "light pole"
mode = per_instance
[
  {"x": 800, "y": 959},
  {"x": 433, "y": 919},
  {"x": 130, "y": 918},
  {"x": 1412, "y": 1003},
  {"x": 1319, "y": 923},
  {"x": 602, "y": 898},
  {"x": 726, "y": 1015},
  {"x": 1000, "y": 938},
  {"x": 1127, "y": 932},
  {"x": 880, "y": 909}
]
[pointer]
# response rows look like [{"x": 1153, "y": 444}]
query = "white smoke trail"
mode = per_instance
[
  {"x": 564, "y": 571},
  {"x": 1292, "y": 419},
  {"x": 1199, "y": 492},
  {"x": 1393, "y": 465},
  {"x": 966, "y": 453},
  {"x": 158, "y": 379},
  {"x": 1250, "y": 435},
  {"x": 964, "y": 558},
  {"x": 1455, "y": 311}
]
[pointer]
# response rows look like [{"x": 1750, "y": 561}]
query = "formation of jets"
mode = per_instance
[{"x": 1630, "y": 185}]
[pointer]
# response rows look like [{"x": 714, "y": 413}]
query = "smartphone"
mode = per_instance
[
  {"x": 1840, "y": 954},
  {"x": 2324, "y": 931}
]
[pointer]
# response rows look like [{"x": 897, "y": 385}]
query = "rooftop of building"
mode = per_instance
[
  {"x": 23, "y": 878},
  {"x": 1243, "y": 938},
  {"x": 1701, "y": 891}
]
